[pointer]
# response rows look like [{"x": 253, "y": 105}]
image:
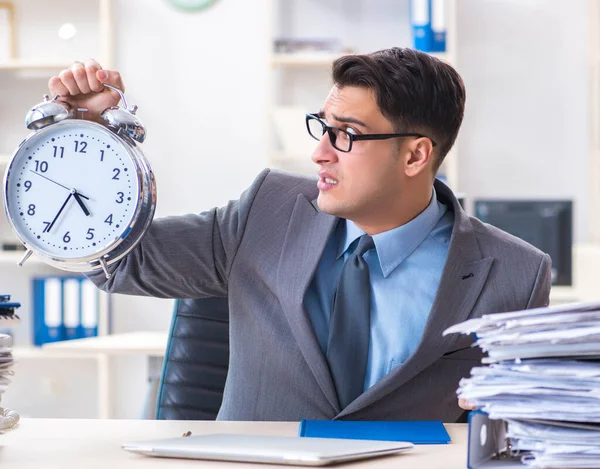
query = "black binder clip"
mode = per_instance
[
  {"x": 488, "y": 445},
  {"x": 8, "y": 309}
]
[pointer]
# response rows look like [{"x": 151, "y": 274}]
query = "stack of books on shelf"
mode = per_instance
[
  {"x": 8, "y": 318},
  {"x": 543, "y": 380}
]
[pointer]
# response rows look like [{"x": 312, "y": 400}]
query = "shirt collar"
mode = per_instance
[{"x": 395, "y": 245}]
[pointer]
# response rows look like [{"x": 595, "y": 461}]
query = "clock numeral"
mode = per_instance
[
  {"x": 41, "y": 166},
  {"x": 120, "y": 199},
  {"x": 80, "y": 146},
  {"x": 66, "y": 237},
  {"x": 109, "y": 219},
  {"x": 27, "y": 185},
  {"x": 31, "y": 209},
  {"x": 47, "y": 227},
  {"x": 90, "y": 233},
  {"x": 117, "y": 171},
  {"x": 59, "y": 151},
  {"x": 101, "y": 155}
]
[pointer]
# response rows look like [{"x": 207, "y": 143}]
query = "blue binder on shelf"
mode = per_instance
[
  {"x": 418, "y": 432},
  {"x": 420, "y": 17},
  {"x": 487, "y": 444},
  {"x": 47, "y": 310},
  {"x": 438, "y": 26}
]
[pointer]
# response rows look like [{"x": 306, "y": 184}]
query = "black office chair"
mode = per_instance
[{"x": 196, "y": 361}]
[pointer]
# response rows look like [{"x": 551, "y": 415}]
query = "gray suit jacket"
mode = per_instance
[{"x": 261, "y": 252}]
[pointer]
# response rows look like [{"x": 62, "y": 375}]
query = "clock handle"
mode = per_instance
[{"x": 121, "y": 94}]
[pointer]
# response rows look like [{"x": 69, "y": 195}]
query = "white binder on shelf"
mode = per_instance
[
  {"x": 72, "y": 307},
  {"x": 90, "y": 308}
]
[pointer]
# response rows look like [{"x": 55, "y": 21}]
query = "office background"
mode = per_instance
[{"x": 204, "y": 86}]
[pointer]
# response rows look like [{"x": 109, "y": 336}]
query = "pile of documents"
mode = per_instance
[
  {"x": 8, "y": 318},
  {"x": 543, "y": 379},
  {"x": 6, "y": 362}
]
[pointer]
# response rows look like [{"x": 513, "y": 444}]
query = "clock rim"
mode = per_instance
[{"x": 146, "y": 195}]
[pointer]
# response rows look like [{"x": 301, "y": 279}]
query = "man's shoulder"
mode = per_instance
[
  {"x": 280, "y": 184},
  {"x": 494, "y": 241}
]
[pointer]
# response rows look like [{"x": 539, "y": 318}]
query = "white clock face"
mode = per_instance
[{"x": 72, "y": 190}]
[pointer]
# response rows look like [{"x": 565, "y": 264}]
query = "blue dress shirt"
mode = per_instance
[{"x": 405, "y": 270}]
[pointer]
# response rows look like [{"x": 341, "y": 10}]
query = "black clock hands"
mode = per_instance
[
  {"x": 78, "y": 195},
  {"x": 49, "y": 227}
]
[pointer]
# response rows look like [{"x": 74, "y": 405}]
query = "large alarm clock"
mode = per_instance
[{"x": 78, "y": 194}]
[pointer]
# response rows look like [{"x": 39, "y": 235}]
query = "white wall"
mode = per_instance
[
  {"x": 526, "y": 128},
  {"x": 198, "y": 79}
]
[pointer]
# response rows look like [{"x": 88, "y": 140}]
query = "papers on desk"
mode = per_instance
[
  {"x": 6, "y": 363},
  {"x": 543, "y": 379}
]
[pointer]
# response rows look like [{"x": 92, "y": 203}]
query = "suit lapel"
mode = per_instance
[
  {"x": 464, "y": 275},
  {"x": 305, "y": 241}
]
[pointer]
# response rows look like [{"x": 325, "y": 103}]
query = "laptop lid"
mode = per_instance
[{"x": 267, "y": 449}]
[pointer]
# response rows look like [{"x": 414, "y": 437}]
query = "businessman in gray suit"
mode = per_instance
[{"x": 339, "y": 289}]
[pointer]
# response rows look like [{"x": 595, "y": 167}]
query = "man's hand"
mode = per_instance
[
  {"x": 464, "y": 404},
  {"x": 81, "y": 87}
]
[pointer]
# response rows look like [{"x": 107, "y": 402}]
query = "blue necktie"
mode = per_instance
[{"x": 349, "y": 326}]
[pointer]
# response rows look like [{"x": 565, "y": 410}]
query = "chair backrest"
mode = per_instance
[{"x": 196, "y": 361}]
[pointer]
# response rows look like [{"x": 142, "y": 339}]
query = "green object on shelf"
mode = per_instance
[{"x": 191, "y": 5}]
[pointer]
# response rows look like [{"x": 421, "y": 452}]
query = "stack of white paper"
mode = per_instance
[
  {"x": 6, "y": 362},
  {"x": 543, "y": 379}
]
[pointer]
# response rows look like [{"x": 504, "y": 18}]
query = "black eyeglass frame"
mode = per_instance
[{"x": 355, "y": 137}]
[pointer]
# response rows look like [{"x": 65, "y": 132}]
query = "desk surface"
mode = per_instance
[
  {"x": 91, "y": 444},
  {"x": 142, "y": 342}
]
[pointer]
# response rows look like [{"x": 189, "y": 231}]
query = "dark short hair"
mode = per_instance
[{"x": 415, "y": 91}]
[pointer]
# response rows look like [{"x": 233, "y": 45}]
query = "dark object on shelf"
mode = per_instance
[
  {"x": 546, "y": 224},
  {"x": 13, "y": 247},
  {"x": 7, "y": 308}
]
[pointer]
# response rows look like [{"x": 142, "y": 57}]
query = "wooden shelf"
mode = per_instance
[
  {"x": 31, "y": 352},
  {"x": 12, "y": 257},
  {"x": 321, "y": 59},
  {"x": 33, "y": 64},
  {"x": 304, "y": 59}
]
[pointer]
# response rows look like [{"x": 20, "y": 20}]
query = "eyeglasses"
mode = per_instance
[{"x": 341, "y": 139}]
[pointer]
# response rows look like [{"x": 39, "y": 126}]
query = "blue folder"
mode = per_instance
[{"x": 418, "y": 432}]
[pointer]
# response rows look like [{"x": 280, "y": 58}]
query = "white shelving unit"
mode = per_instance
[
  {"x": 300, "y": 81},
  {"x": 40, "y": 53}
]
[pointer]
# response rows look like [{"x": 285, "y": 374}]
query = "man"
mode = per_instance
[{"x": 337, "y": 305}]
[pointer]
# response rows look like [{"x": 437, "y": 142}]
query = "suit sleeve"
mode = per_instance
[
  {"x": 186, "y": 256},
  {"x": 540, "y": 293}
]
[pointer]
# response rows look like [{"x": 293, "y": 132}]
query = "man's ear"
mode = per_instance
[{"x": 419, "y": 156}]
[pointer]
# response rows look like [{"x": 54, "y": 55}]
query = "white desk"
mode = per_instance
[
  {"x": 151, "y": 344},
  {"x": 90, "y": 444}
]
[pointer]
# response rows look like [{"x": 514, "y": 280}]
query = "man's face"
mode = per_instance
[{"x": 364, "y": 184}]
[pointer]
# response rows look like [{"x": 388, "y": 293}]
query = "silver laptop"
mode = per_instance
[{"x": 267, "y": 449}]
